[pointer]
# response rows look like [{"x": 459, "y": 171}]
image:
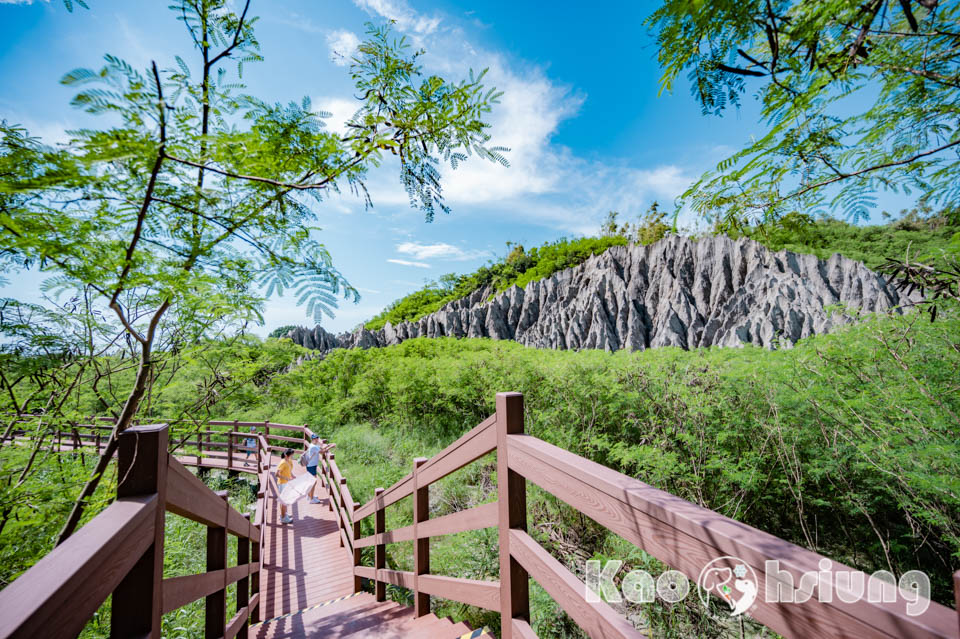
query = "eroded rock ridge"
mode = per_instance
[{"x": 677, "y": 292}]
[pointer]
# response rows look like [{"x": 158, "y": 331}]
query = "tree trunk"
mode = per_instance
[{"x": 123, "y": 421}]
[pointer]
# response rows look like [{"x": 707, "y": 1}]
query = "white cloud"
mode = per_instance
[
  {"x": 19, "y": 1},
  {"x": 343, "y": 46},
  {"x": 368, "y": 291},
  {"x": 341, "y": 110},
  {"x": 546, "y": 182},
  {"x": 407, "y": 263},
  {"x": 441, "y": 250},
  {"x": 400, "y": 12}
]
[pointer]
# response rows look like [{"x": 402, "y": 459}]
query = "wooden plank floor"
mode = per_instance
[{"x": 303, "y": 562}]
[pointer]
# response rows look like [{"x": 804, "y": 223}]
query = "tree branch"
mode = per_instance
[
  {"x": 145, "y": 206},
  {"x": 236, "y": 38},
  {"x": 870, "y": 169}
]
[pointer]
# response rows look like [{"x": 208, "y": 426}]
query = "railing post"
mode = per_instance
[
  {"x": 215, "y": 624},
  {"x": 230, "y": 439},
  {"x": 142, "y": 469},
  {"x": 956, "y": 593},
  {"x": 343, "y": 504},
  {"x": 199, "y": 447},
  {"x": 323, "y": 470},
  {"x": 255, "y": 577},
  {"x": 357, "y": 554},
  {"x": 512, "y": 500},
  {"x": 330, "y": 483},
  {"x": 380, "y": 552},
  {"x": 266, "y": 433},
  {"x": 421, "y": 547},
  {"x": 243, "y": 585}
]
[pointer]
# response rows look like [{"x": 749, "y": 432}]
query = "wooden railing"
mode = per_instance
[
  {"x": 679, "y": 533},
  {"x": 207, "y": 440},
  {"x": 120, "y": 552}
]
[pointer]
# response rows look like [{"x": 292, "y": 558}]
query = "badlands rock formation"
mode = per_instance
[{"x": 677, "y": 292}]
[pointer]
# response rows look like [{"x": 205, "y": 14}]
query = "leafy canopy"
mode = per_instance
[
  {"x": 201, "y": 192},
  {"x": 858, "y": 97},
  {"x": 195, "y": 201}
]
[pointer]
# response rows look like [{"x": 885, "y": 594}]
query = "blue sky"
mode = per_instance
[{"x": 580, "y": 111}]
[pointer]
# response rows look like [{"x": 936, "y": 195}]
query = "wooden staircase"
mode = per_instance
[
  {"x": 306, "y": 579},
  {"x": 359, "y": 616}
]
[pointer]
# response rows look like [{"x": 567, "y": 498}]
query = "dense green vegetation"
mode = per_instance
[
  {"x": 922, "y": 233},
  {"x": 847, "y": 444},
  {"x": 33, "y": 512}
]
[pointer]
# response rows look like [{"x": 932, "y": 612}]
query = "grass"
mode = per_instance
[{"x": 847, "y": 444}]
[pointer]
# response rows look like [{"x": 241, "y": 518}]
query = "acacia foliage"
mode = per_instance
[
  {"x": 194, "y": 200},
  {"x": 856, "y": 97}
]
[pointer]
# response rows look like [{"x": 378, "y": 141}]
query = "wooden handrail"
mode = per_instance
[
  {"x": 120, "y": 552},
  {"x": 686, "y": 537},
  {"x": 597, "y": 619},
  {"x": 76, "y": 577},
  {"x": 230, "y": 441},
  {"x": 681, "y": 534}
]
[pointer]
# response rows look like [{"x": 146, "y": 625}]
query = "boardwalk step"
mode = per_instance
[
  {"x": 306, "y": 581},
  {"x": 300, "y": 612}
]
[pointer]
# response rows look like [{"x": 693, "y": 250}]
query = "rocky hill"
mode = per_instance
[{"x": 677, "y": 292}]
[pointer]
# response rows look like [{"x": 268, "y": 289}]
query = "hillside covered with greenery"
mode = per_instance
[
  {"x": 519, "y": 267},
  {"x": 846, "y": 444},
  {"x": 163, "y": 229},
  {"x": 921, "y": 232}
]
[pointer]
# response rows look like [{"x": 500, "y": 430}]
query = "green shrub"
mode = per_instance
[{"x": 848, "y": 444}]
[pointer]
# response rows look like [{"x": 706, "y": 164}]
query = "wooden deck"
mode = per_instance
[
  {"x": 304, "y": 562},
  {"x": 300, "y": 577},
  {"x": 306, "y": 579}
]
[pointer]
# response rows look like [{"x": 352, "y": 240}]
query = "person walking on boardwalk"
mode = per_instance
[
  {"x": 311, "y": 459},
  {"x": 251, "y": 445},
  {"x": 285, "y": 474}
]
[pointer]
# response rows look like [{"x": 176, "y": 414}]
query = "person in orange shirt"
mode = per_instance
[{"x": 285, "y": 474}]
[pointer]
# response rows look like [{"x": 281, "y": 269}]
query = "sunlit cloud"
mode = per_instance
[
  {"x": 405, "y": 18},
  {"x": 435, "y": 251},
  {"x": 343, "y": 46},
  {"x": 408, "y": 263}
]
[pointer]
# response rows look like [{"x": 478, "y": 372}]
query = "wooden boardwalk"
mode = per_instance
[
  {"x": 304, "y": 562},
  {"x": 303, "y": 579},
  {"x": 306, "y": 578}
]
